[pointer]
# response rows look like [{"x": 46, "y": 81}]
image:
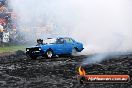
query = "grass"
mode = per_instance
[{"x": 12, "y": 48}]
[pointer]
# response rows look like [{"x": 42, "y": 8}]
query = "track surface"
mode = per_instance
[{"x": 16, "y": 70}]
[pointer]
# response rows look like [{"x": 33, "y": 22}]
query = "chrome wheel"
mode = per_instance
[{"x": 49, "y": 54}]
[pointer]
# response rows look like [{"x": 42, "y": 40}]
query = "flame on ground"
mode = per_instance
[{"x": 81, "y": 71}]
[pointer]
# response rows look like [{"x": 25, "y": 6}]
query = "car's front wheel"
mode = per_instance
[{"x": 49, "y": 54}]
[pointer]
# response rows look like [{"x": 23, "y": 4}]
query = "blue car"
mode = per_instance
[{"x": 54, "y": 47}]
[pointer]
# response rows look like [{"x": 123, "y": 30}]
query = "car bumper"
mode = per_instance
[
  {"x": 35, "y": 53},
  {"x": 80, "y": 50}
]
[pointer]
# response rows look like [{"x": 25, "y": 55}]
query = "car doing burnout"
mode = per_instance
[{"x": 54, "y": 46}]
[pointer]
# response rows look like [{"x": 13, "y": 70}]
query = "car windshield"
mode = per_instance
[{"x": 49, "y": 41}]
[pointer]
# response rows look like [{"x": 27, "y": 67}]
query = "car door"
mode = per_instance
[
  {"x": 60, "y": 46},
  {"x": 69, "y": 44}
]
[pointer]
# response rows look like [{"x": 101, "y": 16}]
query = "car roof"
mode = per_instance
[{"x": 57, "y": 37}]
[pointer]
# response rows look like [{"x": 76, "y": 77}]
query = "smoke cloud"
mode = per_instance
[{"x": 102, "y": 25}]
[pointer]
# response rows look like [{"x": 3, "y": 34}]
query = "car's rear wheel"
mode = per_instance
[
  {"x": 49, "y": 54},
  {"x": 74, "y": 51}
]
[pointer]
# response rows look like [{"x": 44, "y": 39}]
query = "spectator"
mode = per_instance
[
  {"x": 1, "y": 28},
  {"x": 1, "y": 33}
]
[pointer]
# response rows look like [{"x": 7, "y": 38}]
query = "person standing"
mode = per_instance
[{"x": 1, "y": 33}]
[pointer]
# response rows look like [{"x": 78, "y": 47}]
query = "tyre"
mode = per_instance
[
  {"x": 74, "y": 52},
  {"x": 49, "y": 54}
]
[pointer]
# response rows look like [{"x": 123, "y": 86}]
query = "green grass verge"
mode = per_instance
[{"x": 12, "y": 48}]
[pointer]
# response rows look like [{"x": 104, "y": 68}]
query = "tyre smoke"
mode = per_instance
[{"x": 102, "y": 25}]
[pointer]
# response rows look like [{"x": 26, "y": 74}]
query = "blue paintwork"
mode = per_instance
[{"x": 58, "y": 49}]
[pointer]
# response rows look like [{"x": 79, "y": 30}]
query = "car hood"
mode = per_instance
[
  {"x": 41, "y": 45},
  {"x": 34, "y": 47}
]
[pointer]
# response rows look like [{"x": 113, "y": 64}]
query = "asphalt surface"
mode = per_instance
[{"x": 19, "y": 71}]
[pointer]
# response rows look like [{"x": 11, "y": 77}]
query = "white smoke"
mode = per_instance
[{"x": 102, "y": 25}]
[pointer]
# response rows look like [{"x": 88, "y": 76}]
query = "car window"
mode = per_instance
[
  {"x": 60, "y": 41},
  {"x": 68, "y": 40},
  {"x": 49, "y": 41},
  {"x": 72, "y": 40}
]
